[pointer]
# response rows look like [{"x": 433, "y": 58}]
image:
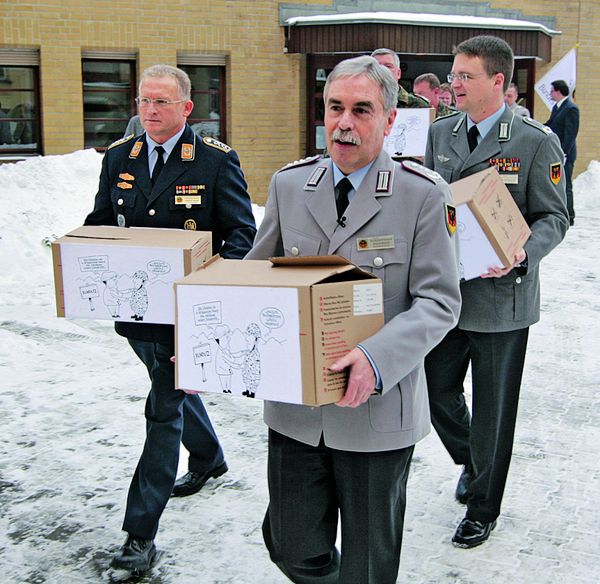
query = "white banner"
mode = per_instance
[{"x": 565, "y": 69}]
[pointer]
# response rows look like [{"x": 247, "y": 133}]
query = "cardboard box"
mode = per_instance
[
  {"x": 490, "y": 226},
  {"x": 124, "y": 274},
  {"x": 408, "y": 137},
  {"x": 272, "y": 328}
]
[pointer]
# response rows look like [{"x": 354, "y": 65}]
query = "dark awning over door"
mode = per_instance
[{"x": 411, "y": 33}]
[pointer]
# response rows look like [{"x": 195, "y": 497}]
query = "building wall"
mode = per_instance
[
  {"x": 265, "y": 117},
  {"x": 265, "y": 87},
  {"x": 578, "y": 21}
]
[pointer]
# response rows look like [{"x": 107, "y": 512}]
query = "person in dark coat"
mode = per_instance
[
  {"x": 169, "y": 177},
  {"x": 564, "y": 122}
]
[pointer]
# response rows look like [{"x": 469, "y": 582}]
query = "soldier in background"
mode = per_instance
[
  {"x": 390, "y": 59},
  {"x": 428, "y": 86},
  {"x": 511, "y": 95}
]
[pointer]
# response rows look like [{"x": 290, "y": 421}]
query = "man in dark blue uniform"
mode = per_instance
[{"x": 170, "y": 178}]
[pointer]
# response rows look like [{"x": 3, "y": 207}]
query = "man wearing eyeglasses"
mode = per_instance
[
  {"x": 497, "y": 308},
  {"x": 140, "y": 179}
]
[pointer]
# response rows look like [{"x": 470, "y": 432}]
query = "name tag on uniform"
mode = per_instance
[
  {"x": 377, "y": 242},
  {"x": 510, "y": 179},
  {"x": 188, "y": 199}
]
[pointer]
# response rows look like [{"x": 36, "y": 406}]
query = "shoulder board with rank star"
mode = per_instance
[
  {"x": 216, "y": 144},
  {"x": 537, "y": 125},
  {"x": 445, "y": 116},
  {"x": 423, "y": 171},
  {"x": 301, "y": 162},
  {"x": 121, "y": 141}
]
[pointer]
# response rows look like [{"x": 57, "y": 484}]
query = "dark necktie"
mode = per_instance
[
  {"x": 472, "y": 137},
  {"x": 343, "y": 188},
  {"x": 160, "y": 162}
]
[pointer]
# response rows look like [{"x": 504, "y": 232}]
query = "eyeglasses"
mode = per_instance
[
  {"x": 462, "y": 77},
  {"x": 146, "y": 101}
]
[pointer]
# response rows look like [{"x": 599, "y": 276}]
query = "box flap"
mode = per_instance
[
  {"x": 225, "y": 272},
  {"x": 329, "y": 260},
  {"x": 142, "y": 236},
  {"x": 341, "y": 268},
  {"x": 465, "y": 189}
]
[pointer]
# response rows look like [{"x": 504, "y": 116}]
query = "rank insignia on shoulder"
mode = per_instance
[
  {"x": 450, "y": 218},
  {"x": 121, "y": 141},
  {"x": 555, "y": 172},
  {"x": 454, "y": 113},
  {"x": 301, "y": 162},
  {"x": 423, "y": 171},
  {"x": 216, "y": 144},
  {"x": 124, "y": 185},
  {"x": 537, "y": 125},
  {"x": 126, "y": 176}
]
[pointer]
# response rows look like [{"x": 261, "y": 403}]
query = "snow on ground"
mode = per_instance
[{"x": 71, "y": 406}]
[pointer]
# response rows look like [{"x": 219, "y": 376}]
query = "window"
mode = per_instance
[
  {"x": 207, "y": 74},
  {"x": 19, "y": 110},
  {"x": 108, "y": 100}
]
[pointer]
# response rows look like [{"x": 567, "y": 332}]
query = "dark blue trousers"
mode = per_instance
[{"x": 166, "y": 410}]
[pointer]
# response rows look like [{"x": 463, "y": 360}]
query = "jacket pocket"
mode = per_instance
[
  {"x": 393, "y": 411},
  {"x": 296, "y": 243},
  {"x": 511, "y": 295},
  {"x": 386, "y": 264}
]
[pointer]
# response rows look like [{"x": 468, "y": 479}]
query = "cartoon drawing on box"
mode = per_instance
[
  {"x": 224, "y": 361},
  {"x": 251, "y": 365},
  {"x": 139, "y": 295},
  {"x": 111, "y": 296},
  {"x": 400, "y": 133}
]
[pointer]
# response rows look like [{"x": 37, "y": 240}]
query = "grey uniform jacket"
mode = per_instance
[
  {"x": 420, "y": 282},
  {"x": 529, "y": 158}
]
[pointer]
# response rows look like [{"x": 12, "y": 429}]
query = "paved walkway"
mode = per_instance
[{"x": 71, "y": 402}]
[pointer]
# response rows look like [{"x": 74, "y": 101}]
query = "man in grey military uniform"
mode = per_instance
[
  {"x": 353, "y": 457},
  {"x": 511, "y": 95},
  {"x": 497, "y": 308}
]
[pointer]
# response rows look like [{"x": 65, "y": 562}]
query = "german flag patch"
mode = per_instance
[
  {"x": 555, "y": 172},
  {"x": 450, "y": 218}
]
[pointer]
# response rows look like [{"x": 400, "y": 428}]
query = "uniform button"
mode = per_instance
[
  {"x": 152, "y": 212},
  {"x": 518, "y": 280},
  {"x": 188, "y": 206},
  {"x": 295, "y": 251},
  {"x": 120, "y": 202},
  {"x": 378, "y": 262}
]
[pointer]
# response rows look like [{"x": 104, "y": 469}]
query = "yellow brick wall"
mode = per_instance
[
  {"x": 578, "y": 21},
  {"x": 266, "y": 97},
  {"x": 265, "y": 117}
]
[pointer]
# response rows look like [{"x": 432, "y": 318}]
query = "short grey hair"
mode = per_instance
[
  {"x": 371, "y": 69},
  {"x": 387, "y": 52},
  {"x": 184, "y": 85}
]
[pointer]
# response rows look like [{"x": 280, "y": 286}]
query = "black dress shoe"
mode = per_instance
[
  {"x": 135, "y": 555},
  {"x": 464, "y": 482},
  {"x": 471, "y": 533},
  {"x": 192, "y": 482}
]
